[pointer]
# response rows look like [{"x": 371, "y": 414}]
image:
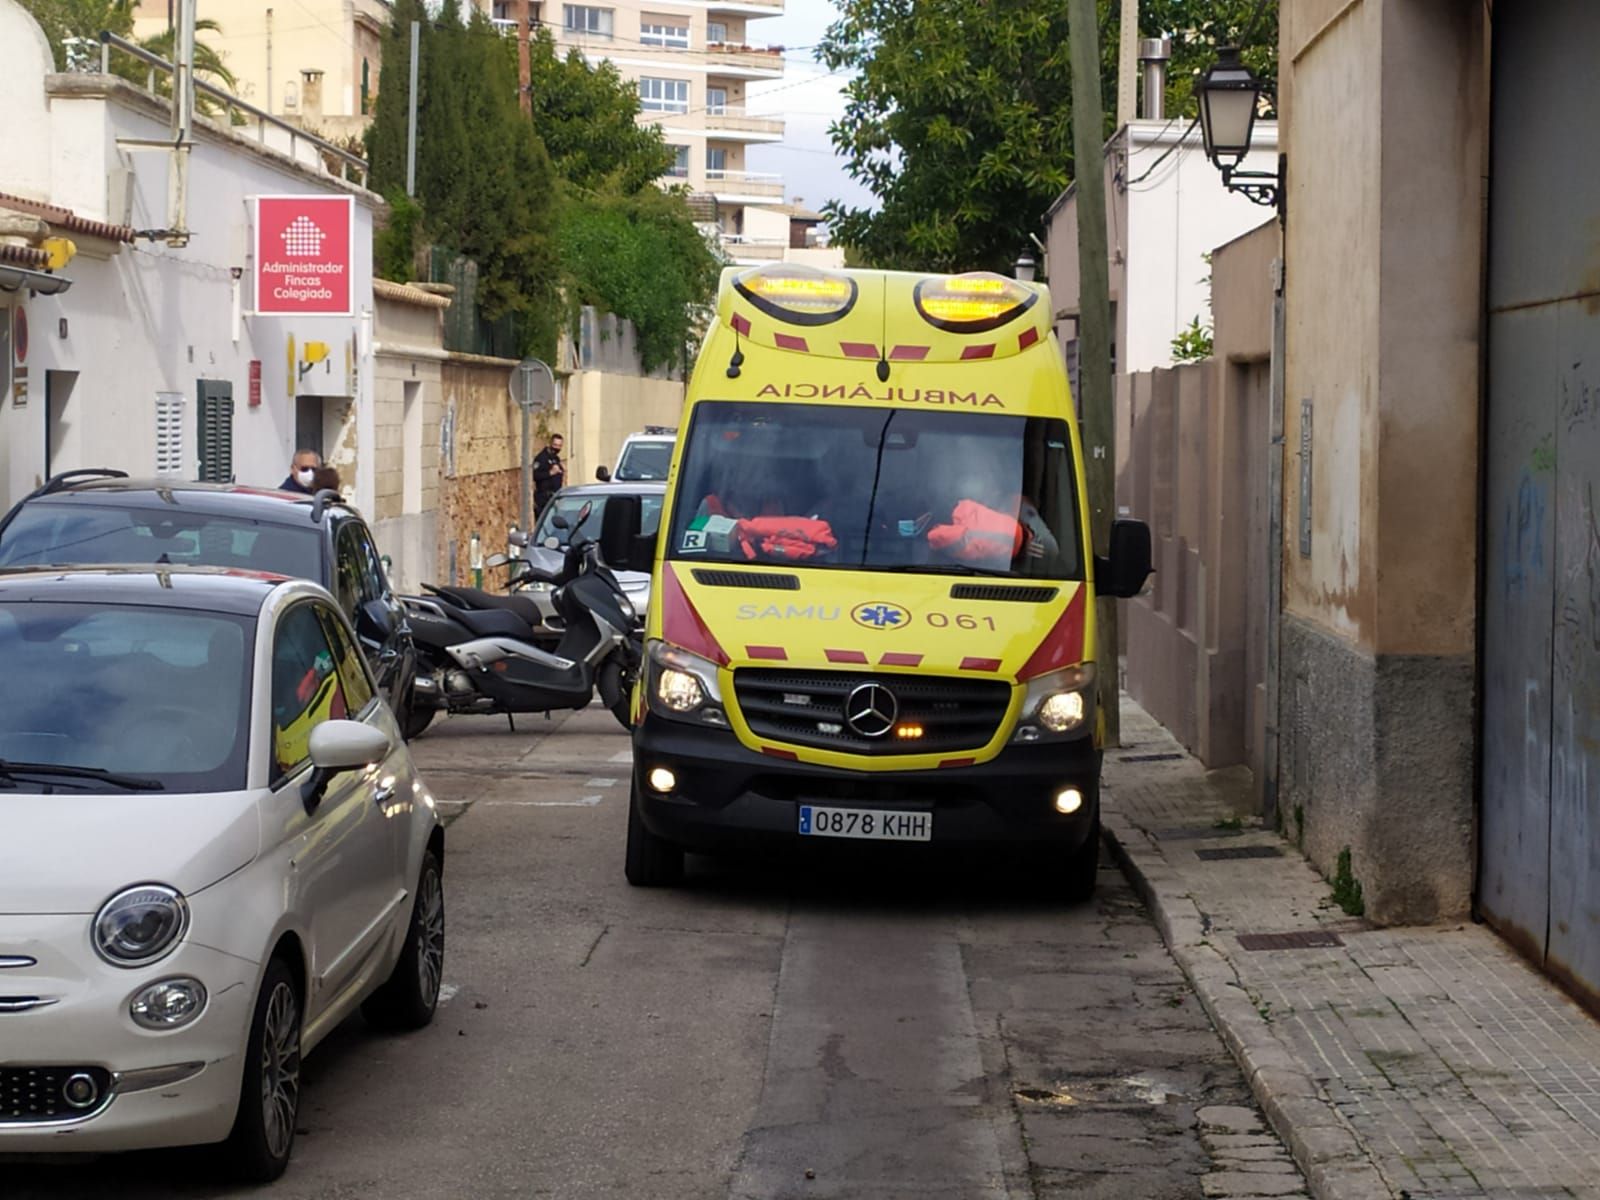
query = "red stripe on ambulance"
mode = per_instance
[
  {"x": 787, "y": 341},
  {"x": 909, "y": 353},
  {"x": 970, "y": 352},
  {"x": 1027, "y": 338},
  {"x": 846, "y": 656},
  {"x": 769, "y": 653},
  {"x": 858, "y": 349},
  {"x": 980, "y": 664}
]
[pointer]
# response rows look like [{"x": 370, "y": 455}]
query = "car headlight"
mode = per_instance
[
  {"x": 684, "y": 686},
  {"x": 1058, "y": 704},
  {"x": 169, "y": 1004},
  {"x": 141, "y": 924}
]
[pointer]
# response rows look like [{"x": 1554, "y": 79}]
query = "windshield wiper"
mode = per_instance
[
  {"x": 946, "y": 569},
  {"x": 134, "y": 783}
]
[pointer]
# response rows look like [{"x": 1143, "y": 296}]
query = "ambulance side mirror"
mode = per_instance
[
  {"x": 1123, "y": 572},
  {"x": 622, "y": 544}
]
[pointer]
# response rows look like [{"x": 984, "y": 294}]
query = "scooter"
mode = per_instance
[{"x": 476, "y": 650}]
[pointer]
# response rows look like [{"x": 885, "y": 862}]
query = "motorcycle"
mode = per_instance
[{"x": 477, "y": 651}]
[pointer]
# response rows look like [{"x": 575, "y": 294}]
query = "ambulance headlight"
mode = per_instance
[
  {"x": 684, "y": 686},
  {"x": 1058, "y": 704},
  {"x": 798, "y": 295},
  {"x": 973, "y": 303}
]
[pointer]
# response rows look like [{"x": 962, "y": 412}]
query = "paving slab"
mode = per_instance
[{"x": 1416, "y": 1063}]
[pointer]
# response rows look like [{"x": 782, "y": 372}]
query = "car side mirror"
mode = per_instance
[
  {"x": 622, "y": 544},
  {"x": 338, "y": 746},
  {"x": 603, "y": 474},
  {"x": 1122, "y": 573}
]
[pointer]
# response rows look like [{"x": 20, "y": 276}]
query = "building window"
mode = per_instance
[
  {"x": 664, "y": 95},
  {"x": 592, "y": 22},
  {"x": 716, "y": 158},
  {"x": 680, "y": 161},
  {"x": 717, "y": 100},
  {"x": 664, "y": 31},
  {"x": 716, "y": 31}
]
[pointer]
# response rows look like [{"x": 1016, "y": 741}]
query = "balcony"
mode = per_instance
[
  {"x": 745, "y": 251},
  {"x": 744, "y": 62},
  {"x": 747, "y": 8},
  {"x": 744, "y": 187},
  {"x": 733, "y": 124}
]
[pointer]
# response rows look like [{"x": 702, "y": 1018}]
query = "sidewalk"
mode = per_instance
[{"x": 1410, "y": 1063}]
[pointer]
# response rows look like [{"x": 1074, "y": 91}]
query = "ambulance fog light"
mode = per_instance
[
  {"x": 1068, "y": 801},
  {"x": 662, "y": 780},
  {"x": 1062, "y": 712}
]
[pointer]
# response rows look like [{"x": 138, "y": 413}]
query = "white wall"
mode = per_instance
[
  {"x": 148, "y": 318},
  {"x": 1176, "y": 216}
]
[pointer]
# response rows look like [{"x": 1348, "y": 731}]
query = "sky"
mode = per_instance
[{"x": 809, "y": 99}]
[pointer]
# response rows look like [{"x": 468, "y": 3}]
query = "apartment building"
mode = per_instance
[
  {"x": 693, "y": 61},
  {"x": 311, "y": 62}
]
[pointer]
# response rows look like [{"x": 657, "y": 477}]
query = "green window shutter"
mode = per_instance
[{"x": 216, "y": 431}]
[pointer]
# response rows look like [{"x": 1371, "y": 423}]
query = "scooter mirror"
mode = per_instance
[{"x": 560, "y": 522}]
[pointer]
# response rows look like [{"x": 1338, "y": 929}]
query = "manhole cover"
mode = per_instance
[
  {"x": 1300, "y": 939},
  {"x": 1214, "y": 853}
]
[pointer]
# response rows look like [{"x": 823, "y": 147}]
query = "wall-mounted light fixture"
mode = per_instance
[
  {"x": 1026, "y": 267},
  {"x": 1230, "y": 96}
]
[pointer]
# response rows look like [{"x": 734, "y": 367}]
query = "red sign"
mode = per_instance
[
  {"x": 255, "y": 383},
  {"x": 303, "y": 255}
]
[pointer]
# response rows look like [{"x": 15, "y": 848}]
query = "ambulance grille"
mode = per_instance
[
  {"x": 807, "y": 708},
  {"x": 990, "y": 591},
  {"x": 746, "y": 579}
]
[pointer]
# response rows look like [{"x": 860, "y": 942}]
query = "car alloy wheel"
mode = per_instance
[
  {"x": 280, "y": 1069},
  {"x": 430, "y": 936}
]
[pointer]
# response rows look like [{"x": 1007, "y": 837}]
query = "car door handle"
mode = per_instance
[{"x": 384, "y": 792}]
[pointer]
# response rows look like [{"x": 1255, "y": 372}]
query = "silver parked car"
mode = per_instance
[
  {"x": 568, "y": 505},
  {"x": 216, "y": 848}
]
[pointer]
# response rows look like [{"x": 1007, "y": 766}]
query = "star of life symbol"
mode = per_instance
[
  {"x": 881, "y": 615},
  {"x": 303, "y": 238}
]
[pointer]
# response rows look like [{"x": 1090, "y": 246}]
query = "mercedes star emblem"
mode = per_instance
[{"x": 871, "y": 710}]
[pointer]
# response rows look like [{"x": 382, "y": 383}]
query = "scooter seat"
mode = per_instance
[
  {"x": 475, "y": 599},
  {"x": 494, "y": 622}
]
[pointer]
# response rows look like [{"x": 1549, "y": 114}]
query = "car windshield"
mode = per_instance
[
  {"x": 46, "y": 534},
  {"x": 570, "y": 504},
  {"x": 644, "y": 461},
  {"x": 831, "y": 486},
  {"x": 161, "y": 694}
]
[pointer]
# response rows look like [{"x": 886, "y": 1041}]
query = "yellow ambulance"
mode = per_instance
[{"x": 872, "y": 605}]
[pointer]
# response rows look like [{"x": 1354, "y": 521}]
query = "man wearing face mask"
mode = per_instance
[{"x": 302, "y": 472}]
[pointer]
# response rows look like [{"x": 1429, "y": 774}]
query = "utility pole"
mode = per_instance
[
  {"x": 411, "y": 113},
  {"x": 1095, "y": 399},
  {"x": 524, "y": 69},
  {"x": 1128, "y": 64},
  {"x": 182, "y": 126}
]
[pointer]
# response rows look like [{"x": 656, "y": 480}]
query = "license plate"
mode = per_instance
[{"x": 871, "y": 823}]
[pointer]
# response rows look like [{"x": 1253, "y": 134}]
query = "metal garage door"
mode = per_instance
[{"x": 1540, "y": 831}]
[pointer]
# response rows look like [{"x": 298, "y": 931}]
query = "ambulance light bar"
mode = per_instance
[
  {"x": 973, "y": 303},
  {"x": 796, "y": 294}
]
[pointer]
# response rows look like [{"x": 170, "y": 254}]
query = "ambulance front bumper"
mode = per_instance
[{"x": 726, "y": 796}]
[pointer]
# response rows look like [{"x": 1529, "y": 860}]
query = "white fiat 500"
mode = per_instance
[{"x": 215, "y": 848}]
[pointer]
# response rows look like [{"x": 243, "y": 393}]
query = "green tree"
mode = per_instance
[
  {"x": 485, "y": 186},
  {"x": 959, "y": 117},
  {"x": 641, "y": 257},
  {"x": 586, "y": 116},
  {"x": 65, "y": 20}
]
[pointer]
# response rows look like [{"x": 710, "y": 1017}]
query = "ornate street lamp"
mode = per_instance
[
  {"x": 1230, "y": 95},
  {"x": 1026, "y": 267}
]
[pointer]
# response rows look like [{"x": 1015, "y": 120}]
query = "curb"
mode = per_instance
[{"x": 1327, "y": 1151}]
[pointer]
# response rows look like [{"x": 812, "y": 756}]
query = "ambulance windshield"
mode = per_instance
[{"x": 876, "y": 488}]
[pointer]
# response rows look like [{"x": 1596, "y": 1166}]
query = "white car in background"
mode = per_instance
[
  {"x": 645, "y": 457},
  {"x": 216, "y": 848}
]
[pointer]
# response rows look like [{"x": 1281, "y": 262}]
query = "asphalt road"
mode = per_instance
[{"x": 793, "y": 1028}]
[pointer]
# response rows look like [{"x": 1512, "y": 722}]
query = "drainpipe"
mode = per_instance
[{"x": 1274, "y": 701}]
